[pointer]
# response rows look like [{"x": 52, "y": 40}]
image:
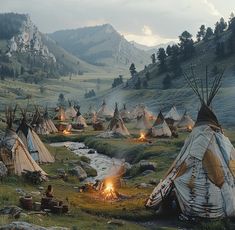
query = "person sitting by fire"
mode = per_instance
[
  {"x": 49, "y": 192},
  {"x": 96, "y": 184}
]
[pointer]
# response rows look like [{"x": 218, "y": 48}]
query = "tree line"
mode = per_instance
[{"x": 169, "y": 60}]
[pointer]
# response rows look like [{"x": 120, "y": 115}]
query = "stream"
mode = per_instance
[{"x": 102, "y": 163}]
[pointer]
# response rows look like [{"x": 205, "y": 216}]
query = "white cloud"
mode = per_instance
[
  {"x": 148, "y": 40},
  {"x": 147, "y": 31},
  {"x": 213, "y": 10}
]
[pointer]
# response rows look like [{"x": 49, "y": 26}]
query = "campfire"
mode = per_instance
[
  {"x": 142, "y": 137},
  {"x": 108, "y": 192},
  {"x": 189, "y": 128},
  {"x": 66, "y": 132}
]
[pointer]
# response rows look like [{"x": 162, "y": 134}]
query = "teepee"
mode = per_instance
[
  {"x": 90, "y": 116},
  {"x": 104, "y": 111},
  {"x": 125, "y": 114},
  {"x": 38, "y": 123},
  {"x": 60, "y": 114},
  {"x": 79, "y": 120},
  {"x": 70, "y": 112},
  {"x": 202, "y": 178},
  {"x": 142, "y": 121},
  {"x": 13, "y": 152},
  {"x": 160, "y": 128},
  {"x": 173, "y": 114},
  {"x": 31, "y": 140},
  {"x": 117, "y": 125},
  {"x": 48, "y": 123},
  {"x": 185, "y": 123}
]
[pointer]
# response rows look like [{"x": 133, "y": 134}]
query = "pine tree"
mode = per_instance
[
  {"x": 132, "y": 69},
  {"x": 186, "y": 45},
  {"x": 209, "y": 34},
  {"x": 161, "y": 56},
  {"x": 168, "y": 50},
  {"x": 201, "y": 33},
  {"x": 153, "y": 58}
]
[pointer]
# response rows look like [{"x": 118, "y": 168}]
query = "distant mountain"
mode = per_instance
[
  {"x": 101, "y": 45},
  {"x": 151, "y": 49},
  {"x": 28, "y": 54}
]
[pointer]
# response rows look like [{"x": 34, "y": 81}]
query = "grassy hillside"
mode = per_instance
[{"x": 179, "y": 93}]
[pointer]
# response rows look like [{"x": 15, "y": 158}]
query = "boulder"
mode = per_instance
[
  {"x": 91, "y": 151},
  {"x": 12, "y": 211},
  {"x": 146, "y": 172},
  {"x": 154, "y": 181},
  {"x": 147, "y": 165},
  {"x": 3, "y": 169},
  {"x": 28, "y": 226},
  {"x": 60, "y": 171},
  {"x": 91, "y": 172},
  {"x": 143, "y": 185},
  {"x": 79, "y": 172}
]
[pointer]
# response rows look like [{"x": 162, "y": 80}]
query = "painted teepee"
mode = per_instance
[
  {"x": 160, "y": 128},
  {"x": 202, "y": 178},
  {"x": 117, "y": 125}
]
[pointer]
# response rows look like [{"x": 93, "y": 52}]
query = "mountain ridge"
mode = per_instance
[{"x": 101, "y": 45}]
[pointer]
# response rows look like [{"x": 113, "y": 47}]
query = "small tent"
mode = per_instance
[
  {"x": 173, "y": 114},
  {"x": 48, "y": 123},
  {"x": 117, "y": 125},
  {"x": 60, "y": 114},
  {"x": 142, "y": 121},
  {"x": 104, "y": 111},
  {"x": 79, "y": 120},
  {"x": 37, "y": 123},
  {"x": 70, "y": 112},
  {"x": 90, "y": 116},
  {"x": 14, "y": 153},
  {"x": 185, "y": 123},
  {"x": 33, "y": 143},
  {"x": 125, "y": 114},
  {"x": 160, "y": 128},
  {"x": 202, "y": 178}
]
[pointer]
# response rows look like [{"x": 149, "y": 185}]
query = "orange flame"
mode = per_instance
[
  {"x": 109, "y": 192},
  {"x": 142, "y": 137},
  {"x": 66, "y": 132},
  {"x": 189, "y": 128}
]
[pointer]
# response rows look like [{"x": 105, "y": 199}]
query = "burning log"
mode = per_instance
[
  {"x": 109, "y": 192},
  {"x": 142, "y": 137},
  {"x": 108, "y": 187},
  {"x": 67, "y": 131},
  {"x": 189, "y": 128}
]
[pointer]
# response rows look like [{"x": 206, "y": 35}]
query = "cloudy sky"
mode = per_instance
[{"x": 148, "y": 22}]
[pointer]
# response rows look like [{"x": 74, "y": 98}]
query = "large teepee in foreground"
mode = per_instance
[
  {"x": 202, "y": 178},
  {"x": 13, "y": 152}
]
